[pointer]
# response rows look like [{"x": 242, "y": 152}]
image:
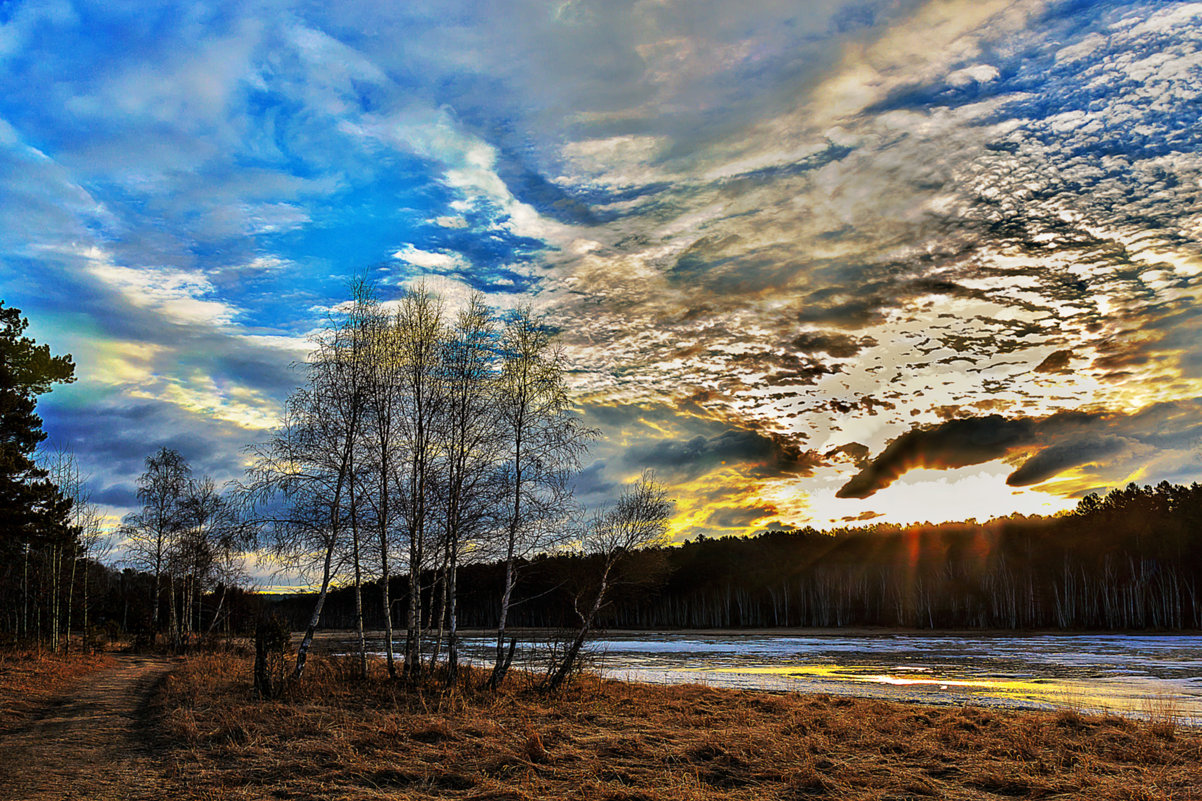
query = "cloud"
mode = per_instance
[
  {"x": 431, "y": 261},
  {"x": 1105, "y": 446},
  {"x": 956, "y": 443},
  {"x": 1060, "y": 456},
  {"x": 757, "y": 452},
  {"x": 739, "y": 518},
  {"x": 112, "y": 438},
  {"x": 764, "y": 230},
  {"x": 839, "y": 345},
  {"x": 1056, "y": 361},
  {"x": 175, "y": 294},
  {"x": 707, "y": 463}
]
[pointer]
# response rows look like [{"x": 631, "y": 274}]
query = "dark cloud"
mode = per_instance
[
  {"x": 592, "y": 485},
  {"x": 1061, "y": 456},
  {"x": 112, "y": 440},
  {"x": 1056, "y": 362},
  {"x": 1110, "y": 444},
  {"x": 957, "y": 443},
  {"x": 831, "y": 307},
  {"x": 861, "y": 517},
  {"x": 738, "y": 517},
  {"x": 761, "y": 455},
  {"x": 854, "y": 452},
  {"x": 841, "y": 346}
]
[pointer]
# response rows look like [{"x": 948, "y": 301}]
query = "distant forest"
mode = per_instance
[
  {"x": 447, "y": 443},
  {"x": 1131, "y": 559}
]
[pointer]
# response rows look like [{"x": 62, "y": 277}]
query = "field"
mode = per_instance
[{"x": 335, "y": 737}]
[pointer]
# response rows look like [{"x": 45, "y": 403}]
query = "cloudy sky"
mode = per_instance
[{"x": 815, "y": 262}]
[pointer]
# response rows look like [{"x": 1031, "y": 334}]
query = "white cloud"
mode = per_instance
[
  {"x": 978, "y": 73},
  {"x": 429, "y": 260},
  {"x": 176, "y": 295}
]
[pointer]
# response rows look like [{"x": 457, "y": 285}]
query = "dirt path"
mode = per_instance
[{"x": 93, "y": 743}]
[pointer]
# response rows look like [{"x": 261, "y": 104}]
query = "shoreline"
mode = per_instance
[
  {"x": 1106, "y": 672},
  {"x": 600, "y": 634}
]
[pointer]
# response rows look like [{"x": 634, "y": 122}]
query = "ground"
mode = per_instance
[
  {"x": 95, "y": 740},
  {"x": 339, "y": 738},
  {"x": 190, "y": 729}
]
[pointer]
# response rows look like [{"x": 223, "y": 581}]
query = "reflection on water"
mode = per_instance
[{"x": 1129, "y": 674}]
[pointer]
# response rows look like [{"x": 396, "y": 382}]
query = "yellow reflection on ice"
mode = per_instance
[
  {"x": 860, "y": 674},
  {"x": 1051, "y": 692}
]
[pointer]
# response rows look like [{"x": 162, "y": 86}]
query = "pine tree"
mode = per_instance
[{"x": 33, "y": 513}]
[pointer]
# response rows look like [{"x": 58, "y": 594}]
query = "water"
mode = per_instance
[{"x": 1129, "y": 674}]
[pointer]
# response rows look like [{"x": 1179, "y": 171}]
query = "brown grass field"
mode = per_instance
[
  {"x": 334, "y": 737},
  {"x": 29, "y": 678}
]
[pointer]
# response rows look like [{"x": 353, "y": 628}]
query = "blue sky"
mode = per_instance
[{"x": 777, "y": 237}]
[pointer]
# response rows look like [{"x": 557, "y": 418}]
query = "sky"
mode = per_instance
[{"x": 820, "y": 263}]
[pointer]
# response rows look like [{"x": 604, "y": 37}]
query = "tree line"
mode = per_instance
[{"x": 1129, "y": 559}]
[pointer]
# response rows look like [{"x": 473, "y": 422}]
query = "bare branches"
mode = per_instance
[
  {"x": 444, "y": 437},
  {"x": 638, "y": 520},
  {"x": 304, "y": 483},
  {"x": 543, "y": 446}
]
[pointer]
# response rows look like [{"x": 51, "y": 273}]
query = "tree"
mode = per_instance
[
  {"x": 469, "y": 433},
  {"x": 89, "y": 540},
  {"x": 419, "y": 337},
  {"x": 543, "y": 445},
  {"x": 33, "y": 513},
  {"x": 153, "y": 532},
  {"x": 381, "y": 445},
  {"x": 303, "y": 484},
  {"x": 210, "y": 548},
  {"x": 638, "y": 520}
]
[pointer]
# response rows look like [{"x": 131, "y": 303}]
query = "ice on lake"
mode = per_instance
[{"x": 1129, "y": 674}]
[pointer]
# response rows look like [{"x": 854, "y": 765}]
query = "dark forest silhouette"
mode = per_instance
[{"x": 1131, "y": 559}]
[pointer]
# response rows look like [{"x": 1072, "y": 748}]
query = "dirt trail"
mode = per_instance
[{"x": 94, "y": 742}]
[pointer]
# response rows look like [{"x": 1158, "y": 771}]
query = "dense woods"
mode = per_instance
[{"x": 1131, "y": 559}]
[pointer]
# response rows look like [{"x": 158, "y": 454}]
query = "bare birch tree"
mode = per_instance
[
  {"x": 469, "y": 433},
  {"x": 543, "y": 445},
  {"x": 383, "y": 451},
  {"x": 639, "y": 519},
  {"x": 303, "y": 482},
  {"x": 215, "y": 537},
  {"x": 152, "y": 532},
  {"x": 419, "y": 336}
]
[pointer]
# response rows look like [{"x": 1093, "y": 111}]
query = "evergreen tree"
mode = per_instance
[
  {"x": 31, "y": 507},
  {"x": 35, "y": 529}
]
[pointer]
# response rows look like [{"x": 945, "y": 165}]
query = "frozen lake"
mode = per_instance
[{"x": 1131, "y": 674}]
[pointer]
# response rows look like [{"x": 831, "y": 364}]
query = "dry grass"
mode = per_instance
[
  {"x": 29, "y": 678},
  {"x": 337, "y": 738}
]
